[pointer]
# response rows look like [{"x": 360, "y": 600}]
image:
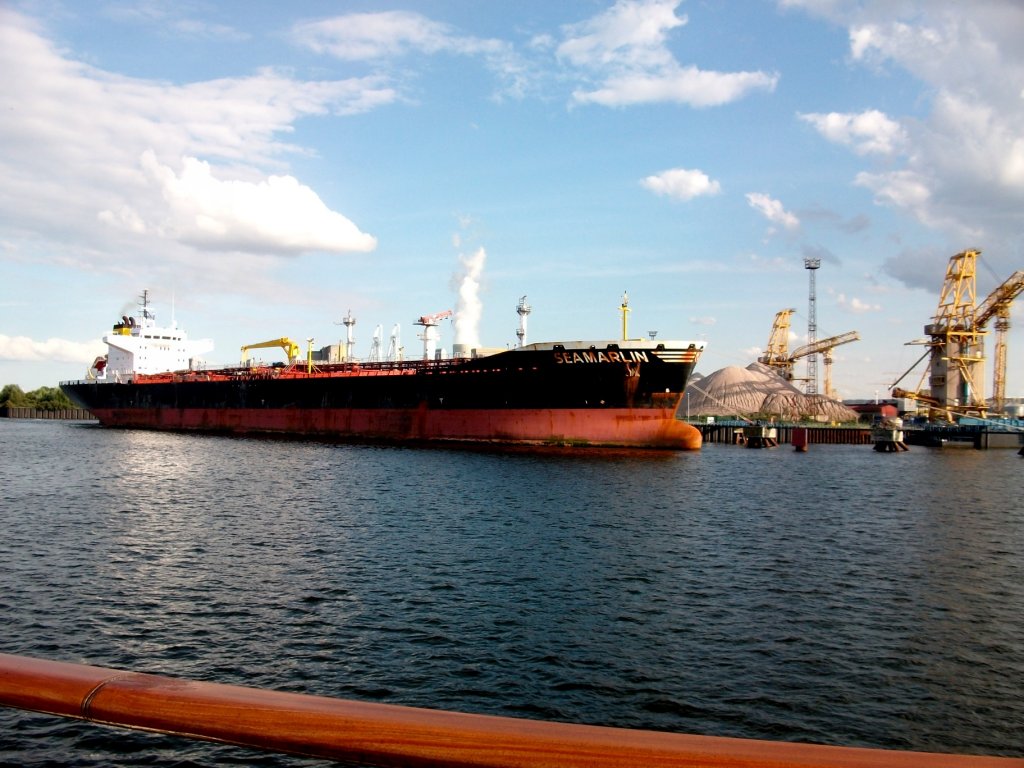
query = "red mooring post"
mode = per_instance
[{"x": 799, "y": 439}]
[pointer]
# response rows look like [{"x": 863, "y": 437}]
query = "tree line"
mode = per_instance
[{"x": 44, "y": 398}]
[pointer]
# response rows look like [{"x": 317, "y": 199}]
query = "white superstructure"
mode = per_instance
[{"x": 138, "y": 345}]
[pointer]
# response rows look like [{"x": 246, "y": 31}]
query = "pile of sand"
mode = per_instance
[{"x": 758, "y": 392}]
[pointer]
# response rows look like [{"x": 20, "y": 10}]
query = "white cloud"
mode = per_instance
[
  {"x": 627, "y": 34},
  {"x": 276, "y": 214},
  {"x": 901, "y": 189},
  {"x": 360, "y": 36},
  {"x": 681, "y": 184},
  {"x": 869, "y": 132},
  {"x": 624, "y": 50},
  {"x": 22, "y": 348},
  {"x": 855, "y": 305},
  {"x": 393, "y": 34},
  {"x": 681, "y": 85},
  {"x": 772, "y": 210},
  {"x": 957, "y": 162},
  {"x": 72, "y": 136}
]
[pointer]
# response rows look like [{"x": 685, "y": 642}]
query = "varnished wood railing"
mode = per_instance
[{"x": 388, "y": 735}]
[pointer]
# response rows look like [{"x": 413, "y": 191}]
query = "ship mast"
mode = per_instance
[{"x": 350, "y": 340}]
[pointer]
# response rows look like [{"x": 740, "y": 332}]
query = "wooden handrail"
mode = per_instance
[{"x": 389, "y": 735}]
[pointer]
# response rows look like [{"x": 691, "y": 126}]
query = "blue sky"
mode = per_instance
[{"x": 263, "y": 168}]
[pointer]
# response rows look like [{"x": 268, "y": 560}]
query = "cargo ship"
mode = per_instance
[{"x": 613, "y": 393}]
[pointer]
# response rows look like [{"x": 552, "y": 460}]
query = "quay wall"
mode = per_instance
[
  {"x": 730, "y": 433},
  {"x": 67, "y": 414}
]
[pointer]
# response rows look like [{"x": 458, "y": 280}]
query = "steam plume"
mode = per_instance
[{"x": 469, "y": 308}]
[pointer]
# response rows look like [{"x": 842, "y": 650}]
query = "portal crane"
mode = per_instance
[
  {"x": 954, "y": 347},
  {"x": 429, "y": 335},
  {"x": 778, "y": 356},
  {"x": 997, "y": 305},
  {"x": 290, "y": 348}
]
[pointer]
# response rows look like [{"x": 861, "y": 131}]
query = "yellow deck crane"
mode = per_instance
[
  {"x": 290, "y": 348},
  {"x": 997, "y": 305},
  {"x": 779, "y": 357}
]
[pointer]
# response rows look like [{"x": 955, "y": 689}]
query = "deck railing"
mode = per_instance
[{"x": 389, "y": 735}]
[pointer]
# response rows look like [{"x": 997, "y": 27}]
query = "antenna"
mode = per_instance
[
  {"x": 625, "y": 310},
  {"x": 812, "y": 265},
  {"x": 147, "y": 316},
  {"x": 523, "y": 309}
]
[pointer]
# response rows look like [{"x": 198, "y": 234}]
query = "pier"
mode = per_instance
[{"x": 977, "y": 436}]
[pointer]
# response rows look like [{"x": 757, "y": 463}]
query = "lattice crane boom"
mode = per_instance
[
  {"x": 1002, "y": 296},
  {"x": 997, "y": 305},
  {"x": 779, "y": 357},
  {"x": 777, "y": 353},
  {"x": 824, "y": 345}
]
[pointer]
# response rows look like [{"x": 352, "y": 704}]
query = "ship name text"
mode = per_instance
[{"x": 601, "y": 356}]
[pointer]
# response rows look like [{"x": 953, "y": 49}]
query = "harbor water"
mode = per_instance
[{"x": 838, "y": 596}]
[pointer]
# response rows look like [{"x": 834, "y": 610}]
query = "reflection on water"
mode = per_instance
[{"x": 838, "y": 596}]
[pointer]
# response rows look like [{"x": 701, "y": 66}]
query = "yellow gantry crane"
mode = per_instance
[
  {"x": 778, "y": 356},
  {"x": 290, "y": 348}
]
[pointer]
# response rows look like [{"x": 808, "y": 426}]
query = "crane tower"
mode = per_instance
[
  {"x": 523, "y": 309},
  {"x": 812, "y": 265},
  {"x": 956, "y": 360}
]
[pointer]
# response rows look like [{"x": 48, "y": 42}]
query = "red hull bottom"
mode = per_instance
[{"x": 625, "y": 427}]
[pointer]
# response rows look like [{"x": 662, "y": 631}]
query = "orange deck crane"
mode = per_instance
[{"x": 429, "y": 335}]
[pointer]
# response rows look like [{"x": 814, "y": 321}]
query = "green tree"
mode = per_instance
[
  {"x": 13, "y": 396},
  {"x": 49, "y": 399}
]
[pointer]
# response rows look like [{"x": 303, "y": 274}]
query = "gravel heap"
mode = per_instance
[{"x": 758, "y": 392}]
